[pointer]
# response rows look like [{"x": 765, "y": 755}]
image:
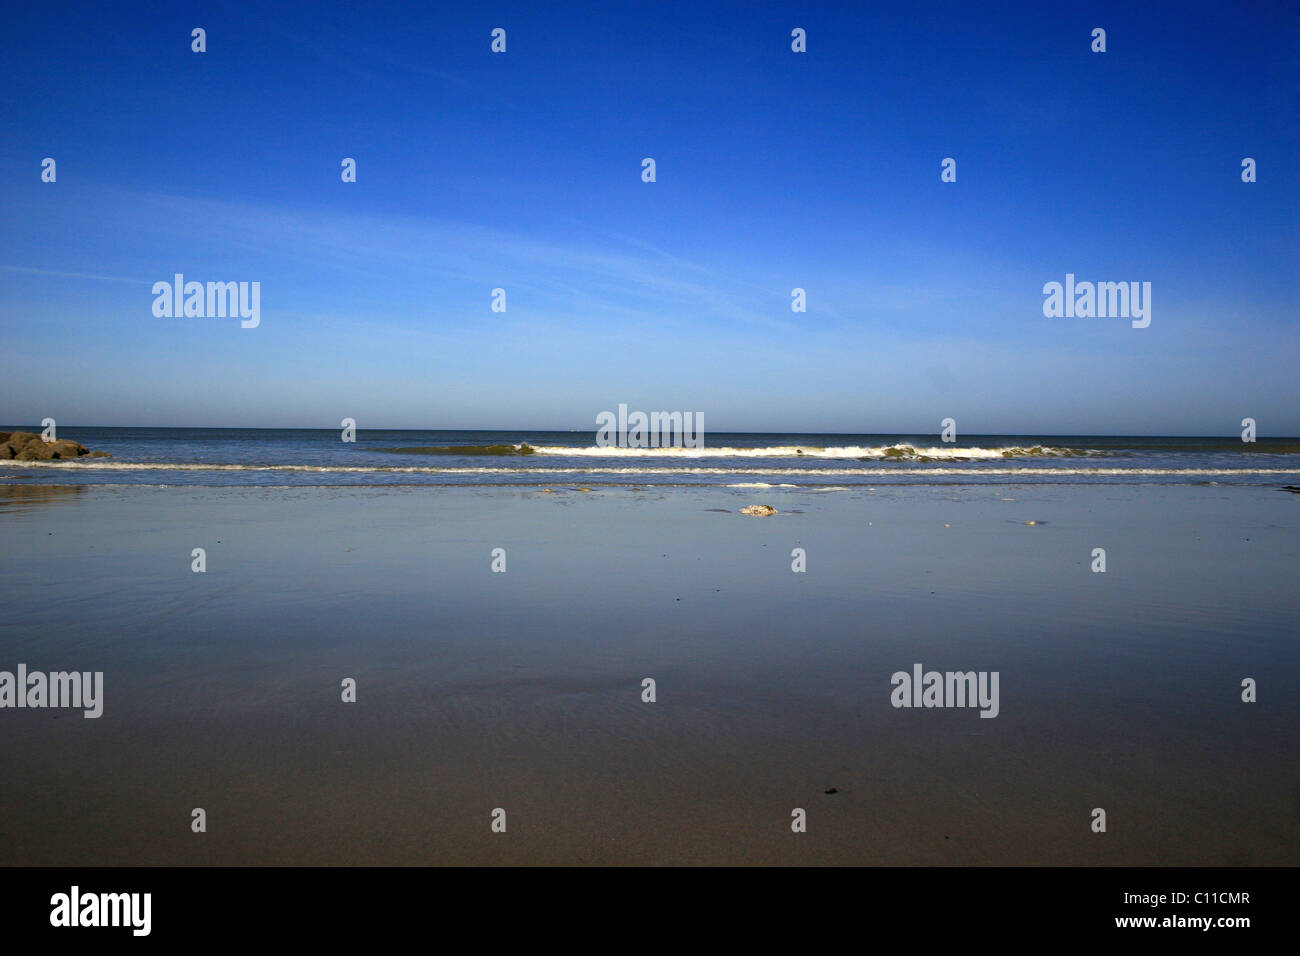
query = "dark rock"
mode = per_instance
[{"x": 26, "y": 446}]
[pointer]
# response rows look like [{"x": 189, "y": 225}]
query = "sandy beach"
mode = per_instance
[{"x": 523, "y": 690}]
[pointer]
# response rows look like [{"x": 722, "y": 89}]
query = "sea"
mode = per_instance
[{"x": 318, "y": 457}]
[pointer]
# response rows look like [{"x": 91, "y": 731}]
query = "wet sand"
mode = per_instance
[{"x": 522, "y": 690}]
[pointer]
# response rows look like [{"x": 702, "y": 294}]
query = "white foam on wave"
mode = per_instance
[
  {"x": 877, "y": 472},
  {"x": 893, "y": 452}
]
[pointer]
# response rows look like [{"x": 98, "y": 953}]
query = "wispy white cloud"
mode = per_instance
[{"x": 29, "y": 270}]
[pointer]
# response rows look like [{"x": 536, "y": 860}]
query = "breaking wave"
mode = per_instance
[
  {"x": 1042, "y": 472},
  {"x": 847, "y": 452},
  {"x": 523, "y": 448}
]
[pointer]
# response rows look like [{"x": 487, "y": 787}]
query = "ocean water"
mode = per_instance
[{"x": 306, "y": 457}]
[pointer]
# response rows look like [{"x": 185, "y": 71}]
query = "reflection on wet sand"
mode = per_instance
[{"x": 24, "y": 497}]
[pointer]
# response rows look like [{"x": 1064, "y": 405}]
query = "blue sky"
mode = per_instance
[{"x": 775, "y": 170}]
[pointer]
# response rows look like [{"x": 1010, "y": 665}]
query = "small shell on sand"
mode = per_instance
[{"x": 758, "y": 510}]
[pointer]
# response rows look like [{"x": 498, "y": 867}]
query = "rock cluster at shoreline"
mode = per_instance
[{"x": 26, "y": 446}]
